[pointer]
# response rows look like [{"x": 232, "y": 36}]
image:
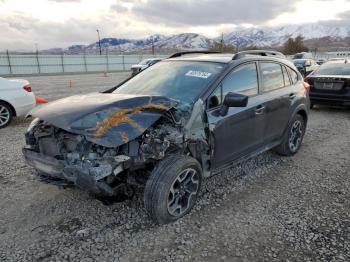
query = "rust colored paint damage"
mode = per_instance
[
  {"x": 121, "y": 117},
  {"x": 125, "y": 137}
]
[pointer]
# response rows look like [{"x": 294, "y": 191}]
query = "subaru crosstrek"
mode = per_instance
[{"x": 183, "y": 119}]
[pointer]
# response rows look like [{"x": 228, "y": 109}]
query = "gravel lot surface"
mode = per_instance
[
  {"x": 269, "y": 208},
  {"x": 59, "y": 86}
]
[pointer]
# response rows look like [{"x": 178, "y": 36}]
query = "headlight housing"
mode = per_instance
[{"x": 33, "y": 124}]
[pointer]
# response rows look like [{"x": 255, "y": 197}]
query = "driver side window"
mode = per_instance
[{"x": 242, "y": 80}]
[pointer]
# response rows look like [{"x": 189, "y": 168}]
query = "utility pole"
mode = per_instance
[
  {"x": 152, "y": 46},
  {"x": 9, "y": 61},
  {"x": 37, "y": 57},
  {"x": 99, "y": 40},
  {"x": 222, "y": 42}
]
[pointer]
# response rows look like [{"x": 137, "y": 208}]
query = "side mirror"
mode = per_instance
[
  {"x": 233, "y": 100},
  {"x": 308, "y": 63}
]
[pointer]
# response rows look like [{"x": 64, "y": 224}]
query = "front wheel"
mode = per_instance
[
  {"x": 171, "y": 190},
  {"x": 293, "y": 137}
]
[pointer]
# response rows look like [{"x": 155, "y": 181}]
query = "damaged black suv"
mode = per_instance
[{"x": 183, "y": 119}]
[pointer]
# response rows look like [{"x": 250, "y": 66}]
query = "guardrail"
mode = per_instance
[{"x": 37, "y": 64}]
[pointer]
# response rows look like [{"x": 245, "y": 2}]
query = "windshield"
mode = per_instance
[
  {"x": 299, "y": 61},
  {"x": 298, "y": 56},
  {"x": 145, "y": 62},
  {"x": 179, "y": 80},
  {"x": 302, "y": 56},
  {"x": 334, "y": 69}
]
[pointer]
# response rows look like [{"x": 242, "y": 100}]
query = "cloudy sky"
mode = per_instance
[{"x": 60, "y": 23}]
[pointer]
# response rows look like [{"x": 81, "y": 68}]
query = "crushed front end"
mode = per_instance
[
  {"x": 64, "y": 157},
  {"x": 111, "y": 141}
]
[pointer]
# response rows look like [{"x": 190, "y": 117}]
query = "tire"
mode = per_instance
[
  {"x": 6, "y": 115},
  {"x": 312, "y": 105},
  {"x": 291, "y": 145},
  {"x": 171, "y": 190}
]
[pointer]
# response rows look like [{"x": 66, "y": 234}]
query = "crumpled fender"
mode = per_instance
[{"x": 108, "y": 120}]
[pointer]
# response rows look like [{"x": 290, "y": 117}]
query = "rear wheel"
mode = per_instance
[
  {"x": 6, "y": 114},
  {"x": 293, "y": 138},
  {"x": 172, "y": 189}
]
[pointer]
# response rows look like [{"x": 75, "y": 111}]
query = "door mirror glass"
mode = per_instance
[{"x": 233, "y": 100}]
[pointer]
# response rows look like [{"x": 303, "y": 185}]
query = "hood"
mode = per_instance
[{"x": 106, "y": 119}]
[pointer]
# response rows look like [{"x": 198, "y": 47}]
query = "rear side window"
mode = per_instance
[
  {"x": 293, "y": 75},
  {"x": 243, "y": 80},
  {"x": 271, "y": 76},
  {"x": 287, "y": 81}
]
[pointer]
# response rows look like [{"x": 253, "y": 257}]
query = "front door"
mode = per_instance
[{"x": 240, "y": 131}]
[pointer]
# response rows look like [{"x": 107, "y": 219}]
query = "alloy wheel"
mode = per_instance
[
  {"x": 5, "y": 115},
  {"x": 296, "y": 134},
  {"x": 182, "y": 191}
]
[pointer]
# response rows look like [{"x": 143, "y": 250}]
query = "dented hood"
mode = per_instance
[{"x": 108, "y": 119}]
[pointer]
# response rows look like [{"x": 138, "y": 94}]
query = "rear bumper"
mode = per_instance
[
  {"x": 25, "y": 105},
  {"x": 55, "y": 169},
  {"x": 333, "y": 99}
]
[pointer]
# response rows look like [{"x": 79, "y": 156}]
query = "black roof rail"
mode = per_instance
[
  {"x": 242, "y": 54},
  {"x": 178, "y": 54}
]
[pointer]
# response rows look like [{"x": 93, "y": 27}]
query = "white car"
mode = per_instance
[
  {"x": 16, "y": 99},
  {"x": 135, "y": 69}
]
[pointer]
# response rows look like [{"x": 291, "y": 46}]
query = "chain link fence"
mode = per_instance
[{"x": 37, "y": 64}]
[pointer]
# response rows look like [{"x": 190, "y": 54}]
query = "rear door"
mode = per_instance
[
  {"x": 240, "y": 131},
  {"x": 278, "y": 93}
]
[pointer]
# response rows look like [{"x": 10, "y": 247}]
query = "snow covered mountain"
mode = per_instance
[
  {"x": 181, "y": 41},
  {"x": 119, "y": 44},
  {"x": 259, "y": 37},
  {"x": 279, "y": 35},
  {"x": 185, "y": 41}
]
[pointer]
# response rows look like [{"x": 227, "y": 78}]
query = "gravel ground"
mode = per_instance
[
  {"x": 59, "y": 86},
  {"x": 269, "y": 208}
]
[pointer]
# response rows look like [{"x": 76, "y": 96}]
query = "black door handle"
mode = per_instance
[{"x": 292, "y": 96}]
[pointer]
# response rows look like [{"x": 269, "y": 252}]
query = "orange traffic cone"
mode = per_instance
[
  {"x": 70, "y": 84},
  {"x": 40, "y": 100}
]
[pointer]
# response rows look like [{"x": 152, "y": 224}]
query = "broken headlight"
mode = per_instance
[{"x": 33, "y": 124}]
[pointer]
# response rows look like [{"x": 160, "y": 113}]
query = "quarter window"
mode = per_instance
[
  {"x": 271, "y": 76},
  {"x": 293, "y": 75},
  {"x": 242, "y": 80},
  {"x": 215, "y": 98}
]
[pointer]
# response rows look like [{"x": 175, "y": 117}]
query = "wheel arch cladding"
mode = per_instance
[
  {"x": 11, "y": 107},
  {"x": 303, "y": 113}
]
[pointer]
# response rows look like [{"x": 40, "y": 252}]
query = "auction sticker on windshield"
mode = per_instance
[{"x": 199, "y": 74}]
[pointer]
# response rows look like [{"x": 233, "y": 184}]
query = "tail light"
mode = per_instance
[
  {"x": 306, "y": 84},
  {"x": 28, "y": 88}
]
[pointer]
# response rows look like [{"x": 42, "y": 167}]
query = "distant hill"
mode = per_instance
[{"x": 315, "y": 35}]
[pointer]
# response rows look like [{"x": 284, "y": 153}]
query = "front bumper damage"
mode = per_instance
[
  {"x": 90, "y": 179},
  {"x": 109, "y": 150}
]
